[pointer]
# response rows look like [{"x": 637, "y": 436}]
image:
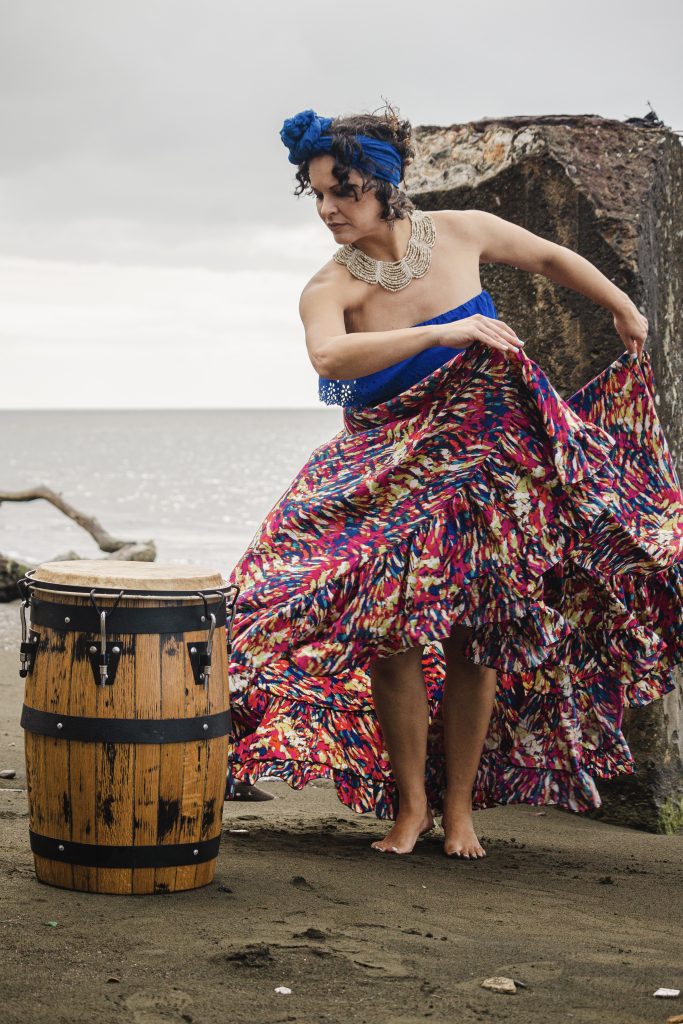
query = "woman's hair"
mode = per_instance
[{"x": 389, "y": 128}]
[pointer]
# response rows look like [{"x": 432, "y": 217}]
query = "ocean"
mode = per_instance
[{"x": 198, "y": 483}]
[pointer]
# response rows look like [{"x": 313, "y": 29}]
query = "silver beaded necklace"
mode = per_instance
[{"x": 397, "y": 274}]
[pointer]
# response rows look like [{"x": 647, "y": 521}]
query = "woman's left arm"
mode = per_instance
[{"x": 501, "y": 241}]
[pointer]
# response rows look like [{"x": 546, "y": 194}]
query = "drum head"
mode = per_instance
[{"x": 105, "y": 572}]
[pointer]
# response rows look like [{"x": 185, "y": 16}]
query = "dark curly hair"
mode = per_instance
[{"x": 389, "y": 128}]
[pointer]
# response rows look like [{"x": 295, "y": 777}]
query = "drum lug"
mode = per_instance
[
  {"x": 113, "y": 653},
  {"x": 27, "y": 654},
  {"x": 200, "y": 659},
  {"x": 29, "y": 639}
]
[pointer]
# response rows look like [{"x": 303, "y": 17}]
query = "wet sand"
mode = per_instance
[{"x": 587, "y": 916}]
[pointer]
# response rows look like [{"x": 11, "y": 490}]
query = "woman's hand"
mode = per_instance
[
  {"x": 631, "y": 327},
  {"x": 487, "y": 329}
]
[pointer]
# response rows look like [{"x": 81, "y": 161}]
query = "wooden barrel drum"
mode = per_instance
[{"x": 126, "y": 720}]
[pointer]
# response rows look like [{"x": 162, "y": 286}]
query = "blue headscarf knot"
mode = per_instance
[{"x": 304, "y": 135}]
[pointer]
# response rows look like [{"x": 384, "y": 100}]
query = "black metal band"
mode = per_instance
[
  {"x": 28, "y": 583},
  {"x": 125, "y": 730},
  {"x": 92, "y": 856},
  {"x": 84, "y": 619}
]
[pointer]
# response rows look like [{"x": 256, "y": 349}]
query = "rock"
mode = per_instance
[
  {"x": 8, "y": 773},
  {"x": 499, "y": 984},
  {"x": 611, "y": 191}
]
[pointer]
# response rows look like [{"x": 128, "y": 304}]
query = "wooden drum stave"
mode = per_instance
[{"x": 126, "y": 720}]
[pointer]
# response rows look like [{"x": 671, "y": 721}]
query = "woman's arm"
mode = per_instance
[
  {"x": 341, "y": 356},
  {"x": 337, "y": 355},
  {"x": 501, "y": 241}
]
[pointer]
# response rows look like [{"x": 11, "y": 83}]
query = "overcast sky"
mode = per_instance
[{"x": 151, "y": 251}]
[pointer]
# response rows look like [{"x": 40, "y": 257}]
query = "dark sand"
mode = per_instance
[{"x": 587, "y": 915}]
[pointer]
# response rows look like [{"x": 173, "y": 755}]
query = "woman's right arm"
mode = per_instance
[{"x": 336, "y": 355}]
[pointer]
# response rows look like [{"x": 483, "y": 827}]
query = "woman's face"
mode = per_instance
[{"x": 347, "y": 217}]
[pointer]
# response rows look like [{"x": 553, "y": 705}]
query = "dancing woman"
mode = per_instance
[{"x": 424, "y": 614}]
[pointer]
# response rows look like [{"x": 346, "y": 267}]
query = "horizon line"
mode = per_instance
[{"x": 179, "y": 408}]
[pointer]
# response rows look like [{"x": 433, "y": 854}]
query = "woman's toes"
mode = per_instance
[{"x": 467, "y": 854}]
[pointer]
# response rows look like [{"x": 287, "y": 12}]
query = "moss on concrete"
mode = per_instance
[{"x": 671, "y": 816}]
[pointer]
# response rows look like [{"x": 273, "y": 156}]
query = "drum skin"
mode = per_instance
[{"x": 125, "y": 794}]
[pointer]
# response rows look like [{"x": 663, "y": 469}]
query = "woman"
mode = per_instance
[{"x": 444, "y": 610}]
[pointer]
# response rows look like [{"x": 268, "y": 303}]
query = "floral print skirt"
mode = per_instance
[{"x": 552, "y": 528}]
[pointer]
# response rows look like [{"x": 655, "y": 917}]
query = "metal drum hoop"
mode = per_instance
[{"x": 127, "y": 618}]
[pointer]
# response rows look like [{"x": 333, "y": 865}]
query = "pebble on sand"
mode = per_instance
[
  {"x": 499, "y": 984},
  {"x": 8, "y": 773},
  {"x": 283, "y": 990}
]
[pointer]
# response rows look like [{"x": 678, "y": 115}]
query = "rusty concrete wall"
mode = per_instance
[{"x": 612, "y": 192}]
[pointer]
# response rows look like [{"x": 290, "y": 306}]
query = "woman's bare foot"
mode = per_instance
[
  {"x": 405, "y": 832},
  {"x": 461, "y": 839}
]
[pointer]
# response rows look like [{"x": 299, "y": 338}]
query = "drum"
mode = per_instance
[{"x": 126, "y": 720}]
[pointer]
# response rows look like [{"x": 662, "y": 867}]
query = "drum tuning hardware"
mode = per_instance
[
  {"x": 206, "y": 660},
  {"x": 104, "y": 656},
  {"x": 200, "y": 651},
  {"x": 200, "y": 655},
  {"x": 105, "y": 659},
  {"x": 29, "y": 639}
]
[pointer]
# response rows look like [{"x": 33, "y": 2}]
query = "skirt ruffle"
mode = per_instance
[{"x": 478, "y": 496}]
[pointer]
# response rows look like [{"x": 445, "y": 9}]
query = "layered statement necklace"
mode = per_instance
[{"x": 397, "y": 274}]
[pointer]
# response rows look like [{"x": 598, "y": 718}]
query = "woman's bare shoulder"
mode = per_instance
[
  {"x": 331, "y": 283},
  {"x": 330, "y": 273},
  {"x": 498, "y": 240},
  {"x": 326, "y": 292},
  {"x": 461, "y": 224}
]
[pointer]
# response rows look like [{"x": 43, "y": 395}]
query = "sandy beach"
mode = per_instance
[{"x": 584, "y": 916}]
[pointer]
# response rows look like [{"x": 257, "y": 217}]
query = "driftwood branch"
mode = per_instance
[
  {"x": 12, "y": 570},
  {"x": 104, "y": 540}
]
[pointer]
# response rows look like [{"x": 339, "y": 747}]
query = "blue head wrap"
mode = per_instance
[{"x": 304, "y": 136}]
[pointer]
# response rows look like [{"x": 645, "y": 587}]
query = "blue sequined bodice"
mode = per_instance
[{"x": 373, "y": 388}]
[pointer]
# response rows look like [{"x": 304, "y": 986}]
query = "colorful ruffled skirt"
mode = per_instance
[{"x": 553, "y": 528}]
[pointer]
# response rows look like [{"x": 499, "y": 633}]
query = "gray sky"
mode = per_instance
[{"x": 147, "y": 224}]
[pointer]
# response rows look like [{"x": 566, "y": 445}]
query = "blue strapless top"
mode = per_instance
[{"x": 358, "y": 392}]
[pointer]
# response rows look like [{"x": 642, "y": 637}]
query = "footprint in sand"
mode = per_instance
[{"x": 158, "y": 1008}]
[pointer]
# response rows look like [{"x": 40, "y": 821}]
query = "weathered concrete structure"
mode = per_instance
[{"x": 613, "y": 192}]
